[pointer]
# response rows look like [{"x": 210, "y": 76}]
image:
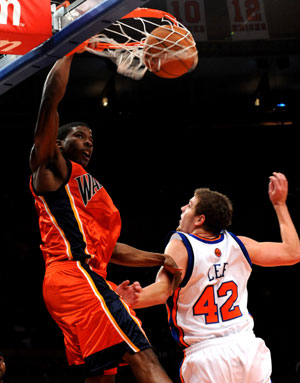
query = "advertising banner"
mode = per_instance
[{"x": 24, "y": 25}]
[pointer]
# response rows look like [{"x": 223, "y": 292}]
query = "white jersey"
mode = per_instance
[{"x": 211, "y": 301}]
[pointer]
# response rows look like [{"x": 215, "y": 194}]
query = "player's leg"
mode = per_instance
[
  {"x": 259, "y": 362},
  {"x": 146, "y": 367}
]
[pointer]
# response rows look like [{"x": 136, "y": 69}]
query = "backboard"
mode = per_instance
[{"x": 81, "y": 20}]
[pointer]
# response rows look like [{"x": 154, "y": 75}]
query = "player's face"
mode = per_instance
[
  {"x": 188, "y": 217},
  {"x": 78, "y": 145}
]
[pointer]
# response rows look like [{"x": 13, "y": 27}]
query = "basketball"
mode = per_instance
[{"x": 170, "y": 51}]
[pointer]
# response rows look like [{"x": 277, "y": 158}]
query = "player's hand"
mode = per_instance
[
  {"x": 278, "y": 188},
  {"x": 129, "y": 293},
  {"x": 173, "y": 270},
  {"x": 79, "y": 49}
]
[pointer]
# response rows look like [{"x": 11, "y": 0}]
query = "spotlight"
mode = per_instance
[
  {"x": 281, "y": 105},
  {"x": 104, "y": 102},
  {"x": 257, "y": 102}
]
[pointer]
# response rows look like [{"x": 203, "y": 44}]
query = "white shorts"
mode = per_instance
[{"x": 241, "y": 358}]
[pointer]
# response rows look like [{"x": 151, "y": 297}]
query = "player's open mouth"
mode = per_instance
[{"x": 87, "y": 154}]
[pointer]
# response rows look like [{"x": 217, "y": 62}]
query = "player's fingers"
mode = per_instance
[
  {"x": 277, "y": 179},
  {"x": 137, "y": 286},
  {"x": 281, "y": 180},
  {"x": 124, "y": 284},
  {"x": 279, "y": 176},
  {"x": 79, "y": 49}
]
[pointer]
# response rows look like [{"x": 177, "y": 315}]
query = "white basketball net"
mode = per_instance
[{"x": 128, "y": 55}]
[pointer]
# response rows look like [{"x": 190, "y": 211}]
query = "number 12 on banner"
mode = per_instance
[
  {"x": 191, "y": 13},
  {"x": 247, "y": 19}
]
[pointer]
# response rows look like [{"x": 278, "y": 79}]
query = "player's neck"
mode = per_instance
[{"x": 204, "y": 234}]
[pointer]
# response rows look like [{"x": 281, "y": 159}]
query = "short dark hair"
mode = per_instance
[
  {"x": 64, "y": 130},
  {"x": 217, "y": 209}
]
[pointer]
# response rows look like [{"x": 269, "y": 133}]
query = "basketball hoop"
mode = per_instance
[{"x": 124, "y": 41}]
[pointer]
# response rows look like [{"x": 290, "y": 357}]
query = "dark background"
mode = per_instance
[{"x": 155, "y": 143}]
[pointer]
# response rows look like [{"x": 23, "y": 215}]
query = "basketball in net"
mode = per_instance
[
  {"x": 146, "y": 39},
  {"x": 170, "y": 51}
]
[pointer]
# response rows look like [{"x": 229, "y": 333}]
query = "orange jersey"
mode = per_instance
[{"x": 78, "y": 222}]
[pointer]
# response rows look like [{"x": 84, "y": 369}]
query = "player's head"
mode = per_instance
[
  {"x": 76, "y": 142},
  {"x": 2, "y": 367},
  {"x": 210, "y": 210}
]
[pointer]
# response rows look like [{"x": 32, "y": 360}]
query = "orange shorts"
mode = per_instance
[{"x": 97, "y": 324}]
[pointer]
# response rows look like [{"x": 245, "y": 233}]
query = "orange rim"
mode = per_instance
[
  {"x": 150, "y": 13},
  {"x": 138, "y": 12}
]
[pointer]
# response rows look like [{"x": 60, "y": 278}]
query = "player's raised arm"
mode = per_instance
[
  {"x": 286, "y": 252},
  {"x": 48, "y": 120},
  {"x": 45, "y": 152}
]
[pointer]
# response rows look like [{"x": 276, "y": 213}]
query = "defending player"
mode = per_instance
[
  {"x": 208, "y": 312},
  {"x": 79, "y": 227}
]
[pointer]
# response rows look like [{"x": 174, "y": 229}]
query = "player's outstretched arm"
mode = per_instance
[
  {"x": 158, "y": 292},
  {"x": 286, "y": 252},
  {"x": 126, "y": 255},
  {"x": 44, "y": 148},
  {"x": 130, "y": 256}
]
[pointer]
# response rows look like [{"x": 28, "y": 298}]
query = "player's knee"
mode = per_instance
[
  {"x": 146, "y": 357},
  {"x": 146, "y": 367}
]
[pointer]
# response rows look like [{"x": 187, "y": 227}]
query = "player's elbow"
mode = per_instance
[
  {"x": 164, "y": 297},
  {"x": 295, "y": 256},
  {"x": 291, "y": 254}
]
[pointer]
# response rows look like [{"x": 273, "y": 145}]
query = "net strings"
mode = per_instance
[{"x": 128, "y": 55}]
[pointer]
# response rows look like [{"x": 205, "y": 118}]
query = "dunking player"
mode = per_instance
[
  {"x": 79, "y": 232},
  {"x": 208, "y": 312}
]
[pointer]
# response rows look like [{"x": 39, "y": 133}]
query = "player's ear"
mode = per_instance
[
  {"x": 59, "y": 143},
  {"x": 200, "y": 219}
]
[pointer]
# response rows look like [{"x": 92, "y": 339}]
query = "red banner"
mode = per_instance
[
  {"x": 191, "y": 13},
  {"x": 24, "y": 24}
]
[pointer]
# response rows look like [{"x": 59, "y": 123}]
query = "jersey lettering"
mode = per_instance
[
  {"x": 88, "y": 187},
  {"x": 217, "y": 271}
]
